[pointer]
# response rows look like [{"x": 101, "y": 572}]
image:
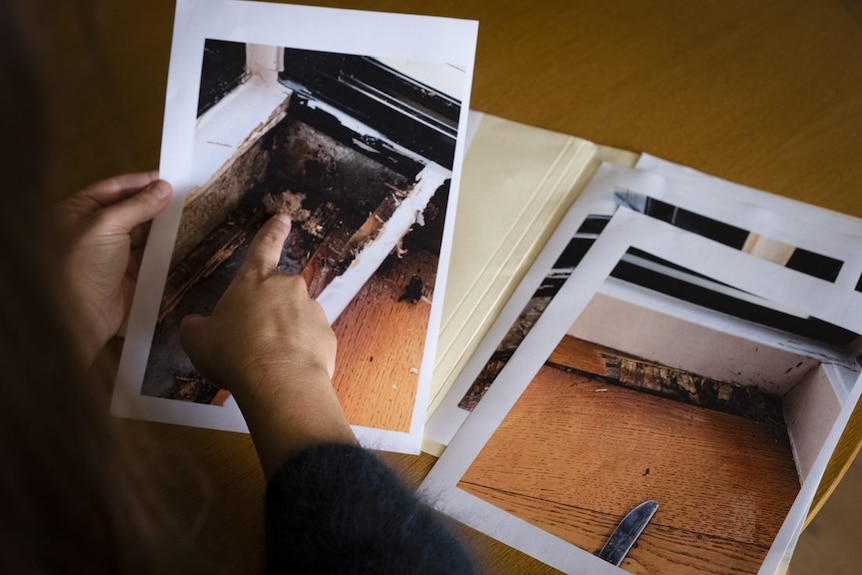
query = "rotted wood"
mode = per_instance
[
  {"x": 501, "y": 356},
  {"x": 340, "y": 247},
  {"x": 216, "y": 249},
  {"x": 388, "y": 318},
  {"x": 617, "y": 368}
]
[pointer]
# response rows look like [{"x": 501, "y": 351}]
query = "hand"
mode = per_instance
[
  {"x": 270, "y": 345},
  {"x": 104, "y": 228}
]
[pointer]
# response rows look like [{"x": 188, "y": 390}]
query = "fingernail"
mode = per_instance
[
  {"x": 284, "y": 218},
  {"x": 161, "y": 189}
]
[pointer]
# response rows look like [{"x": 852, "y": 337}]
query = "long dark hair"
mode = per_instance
[{"x": 72, "y": 497}]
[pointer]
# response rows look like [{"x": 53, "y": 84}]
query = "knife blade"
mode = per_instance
[{"x": 624, "y": 536}]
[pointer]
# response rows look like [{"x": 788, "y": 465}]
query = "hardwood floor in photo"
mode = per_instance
[
  {"x": 576, "y": 453},
  {"x": 381, "y": 339}
]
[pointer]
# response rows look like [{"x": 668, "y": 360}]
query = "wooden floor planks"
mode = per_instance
[
  {"x": 381, "y": 339},
  {"x": 575, "y": 455}
]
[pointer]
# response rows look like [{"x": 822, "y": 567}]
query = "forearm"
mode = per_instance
[{"x": 287, "y": 417}]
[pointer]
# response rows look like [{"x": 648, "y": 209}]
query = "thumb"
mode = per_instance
[{"x": 141, "y": 207}]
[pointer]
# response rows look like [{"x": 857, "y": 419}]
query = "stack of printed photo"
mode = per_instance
[{"x": 678, "y": 338}]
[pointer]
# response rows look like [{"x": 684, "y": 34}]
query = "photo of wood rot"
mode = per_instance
[{"x": 367, "y": 195}]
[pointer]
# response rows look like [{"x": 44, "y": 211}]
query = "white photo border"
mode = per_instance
[{"x": 378, "y": 34}]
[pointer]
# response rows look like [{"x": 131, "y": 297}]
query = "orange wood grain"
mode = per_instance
[
  {"x": 380, "y": 345},
  {"x": 660, "y": 549},
  {"x": 574, "y": 456}
]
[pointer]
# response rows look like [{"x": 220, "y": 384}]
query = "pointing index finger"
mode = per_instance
[{"x": 265, "y": 250}]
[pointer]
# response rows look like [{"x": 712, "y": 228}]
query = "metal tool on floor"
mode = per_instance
[{"x": 627, "y": 532}]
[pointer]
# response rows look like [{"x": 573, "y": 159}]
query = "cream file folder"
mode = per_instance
[{"x": 517, "y": 183}]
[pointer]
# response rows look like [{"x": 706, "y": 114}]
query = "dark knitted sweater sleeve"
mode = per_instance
[{"x": 339, "y": 509}]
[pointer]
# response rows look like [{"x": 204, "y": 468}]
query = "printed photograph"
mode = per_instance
[
  {"x": 358, "y": 151},
  {"x": 640, "y": 269},
  {"x": 623, "y": 393},
  {"x": 626, "y": 410}
]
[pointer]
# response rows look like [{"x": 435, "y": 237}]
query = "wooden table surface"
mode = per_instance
[{"x": 765, "y": 93}]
